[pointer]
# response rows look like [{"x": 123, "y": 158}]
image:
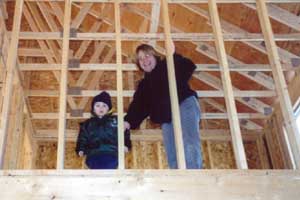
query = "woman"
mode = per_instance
[{"x": 152, "y": 99}]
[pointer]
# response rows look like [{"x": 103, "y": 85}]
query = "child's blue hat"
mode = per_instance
[{"x": 102, "y": 97}]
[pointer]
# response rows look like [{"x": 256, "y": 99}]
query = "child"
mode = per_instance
[{"x": 98, "y": 136}]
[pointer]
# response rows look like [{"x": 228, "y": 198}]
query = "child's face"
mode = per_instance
[{"x": 100, "y": 109}]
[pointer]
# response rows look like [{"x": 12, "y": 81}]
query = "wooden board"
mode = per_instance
[{"x": 149, "y": 184}]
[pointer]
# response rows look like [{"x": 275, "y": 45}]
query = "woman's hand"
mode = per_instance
[
  {"x": 126, "y": 125},
  {"x": 172, "y": 47},
  {"x": 80, "y": 153}
]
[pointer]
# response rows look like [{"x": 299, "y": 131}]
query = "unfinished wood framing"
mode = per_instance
[
  {"x": 281, "y": 88},
  {"x": 226, "y": 80},
  {"x": 100, "y": 45}
]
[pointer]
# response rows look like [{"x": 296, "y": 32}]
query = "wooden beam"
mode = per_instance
[
  {"x": 228, "y": 27},
  {"x": 210, "y": 157},
  {"x": 81, "y": 14},
  {"x": 258, "y": 77},
  {"x": 153, "y": 135},
  {"x": 33, "y": 52},
  {"x": 129, "y": 93},
  {"x": 247, "y": 124},
  {"x": 15, "y": 130},
  {"x": 56, "y": 9},
  {"x": 281, "y": 15},
  {"x": 281, "y": 87},
  {"x": 150, "y": 184},
  {"x": 84, "y": 44},
  {"x": 11, "y": 65},
  {"x": 132, "y": 67},
  {"x": 43, "y": 27},
  {"x": 238, "y": 147},
  {"x": 252, "y": 103},
  {"x": 242, "y": 35},
  {"x": 63, "y": 87},
  {"x": 35, "y": 28},
  {"x": 154, "y": 22},
  {"x": 173, "y": 88},
  {"x": 3, "y": 9},
  {"x": 51, "y": 23},
  {"x": 159, "y": 155},
  {"x": 119, "y": 86},
  {"x": 86, "y": 115},
  {"x": 23, "y": 106},
  {"x": 262, "y": 152}
]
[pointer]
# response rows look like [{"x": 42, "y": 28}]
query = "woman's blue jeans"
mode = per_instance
[{"x": 190, "y": 118}]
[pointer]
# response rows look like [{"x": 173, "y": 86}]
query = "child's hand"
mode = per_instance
[
  {"x": 80, "y": 153},
  {"x": 126, "y": 149},
  {"x": 126, "y": 125}
]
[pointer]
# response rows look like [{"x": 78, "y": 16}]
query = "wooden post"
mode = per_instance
[
  {"x": 262, "y": 153},
  {"x": 16, "y": 123},
  {"x": 210, "y": 157},
  {"x": 11, "y": 64},
  {"x": 134, "y": 155},
  {"x": 119, "y": 86},
  {"x": 63, "y": 88},
  {"x": 173, "y": 88},
  {"x": 159, "y": 155},
  {"x": 280, "y": 84},
  {"x": 237, "y": 141}
]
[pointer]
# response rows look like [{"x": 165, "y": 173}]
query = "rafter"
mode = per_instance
[
  {"x": 85, "y": 44},
  {"x": 49, "y": 20},
  {"x": 257, "y": 77},
  {"x": 227, "y": 27},
  {"x": 56, "y": 9},
  {"x": 253, "y": 103},
  {"x": 281, "y": 15},
  {"x": 247, "y": 124},
  {"x": 33, "y": 25},
  {"x": 35, "y": 28},
  {"x": 81, "y": 15},
  {"x": 42, "y": 27},
  {"x": 154, "y": 22}
]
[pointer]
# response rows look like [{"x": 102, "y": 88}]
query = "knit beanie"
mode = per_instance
[{"x": 102, "y": 97}]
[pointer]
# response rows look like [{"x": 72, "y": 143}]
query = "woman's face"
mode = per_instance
[{"x": 146, "y": 60}]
